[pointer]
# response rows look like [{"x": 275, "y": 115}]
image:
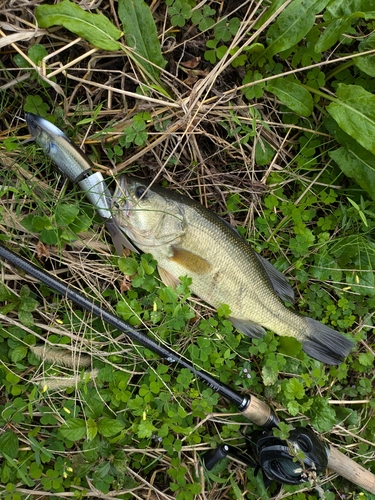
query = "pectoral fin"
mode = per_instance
[
  {"x": 167, "y": 278},
  {"x": 190, "y": 261}
]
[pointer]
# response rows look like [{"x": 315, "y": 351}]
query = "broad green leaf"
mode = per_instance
[
  {"x": 18, "y": 353},
  {"x": 28, "y": 304},
  {"x": 293, "y": 95},
  {"x": 81, "y": 223},
  {"x": 332, "y": 33},
  {"x": 289, "y": 346},
  {"x": 362, "y": 277},
  {"x": 366, "y": 359},
  {"x": 5, "y": 294},
  {"x": 294, "y": 389},
  {"x": 12, "y": 378},
  {"x": 37, "y": 52},
  {"x": 49, "y": 236},
  {"x": 25, "y": 317},
  {"x": 66, "y": 213},
  {"x": 293, "y": 24},
  {"x": 358, "y": 164},
  {"x": 348, "y": 415},
  {"x": 141, "y": 34},
  {"x": 40, "y": 223},
  {"x": 95, "y": 28},
  {"x": 354, "y": 160},
  {"x": 269, "y": 375},
  {"x": 326, "y": 268},
  {"x": 108, "y": 427},
  {"x": 354, "y": 111},
  {"x": 128, "y": 265},
  {"x": 148, "y": 267},
  {"x": 34, "y": 104},
  {"x": 323, "y": 416},
  {"x": 341, "y": 8},
  {"x": 146, "y": 429},
  {"x": 293, "y": 407},
  {"x": 74, "y": 429},
  {"x": 275, "y": 4},
  {"x": 92, "y": 429},
  {"x": 9, "y": 444},
  {"x": 366, "y": 63},
  {"x": 264, "y": 153}
]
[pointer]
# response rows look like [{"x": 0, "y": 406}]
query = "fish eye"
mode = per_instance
[{"x": 139, "y": 191}]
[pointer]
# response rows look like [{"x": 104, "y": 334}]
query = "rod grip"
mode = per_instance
[
  {"x": 260, "y": 413},
  {"x": 350, "y": 470}
]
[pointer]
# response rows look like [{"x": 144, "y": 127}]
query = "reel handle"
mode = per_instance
[
  {"x": 350, "y": 470},
  {"x": 211, "y": 457}
]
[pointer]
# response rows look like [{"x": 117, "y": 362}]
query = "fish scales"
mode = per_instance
[
  {"x": 185, "y": 238},
  {"x": 245, "y": 286}
]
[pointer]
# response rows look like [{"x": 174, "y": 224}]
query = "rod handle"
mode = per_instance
[
  {"x": 260, "y": 413},
  {"x": 347, "y": 468}
]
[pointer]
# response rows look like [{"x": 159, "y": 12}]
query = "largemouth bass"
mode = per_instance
[
  {"x": 73, "y": 162},
  {"x": 185, "y": 238}
]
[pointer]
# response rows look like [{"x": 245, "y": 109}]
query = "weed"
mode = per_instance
[{"x": 263, "y": 113}]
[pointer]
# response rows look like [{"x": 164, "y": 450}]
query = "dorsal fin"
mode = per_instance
[{"x": 279, "y": 283}]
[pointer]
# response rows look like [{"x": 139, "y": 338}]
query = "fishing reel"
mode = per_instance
[{"x": 277, "y": 458}]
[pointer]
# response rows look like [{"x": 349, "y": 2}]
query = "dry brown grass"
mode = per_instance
[{"x": 193, "y": 154}]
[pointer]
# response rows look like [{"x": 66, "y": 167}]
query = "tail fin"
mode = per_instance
[{"x": 325, "y": 344}]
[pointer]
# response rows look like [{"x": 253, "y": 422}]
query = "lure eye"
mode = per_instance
[
  {"x": 31, "y": 123},
  {"x": 139, "y": 192}
]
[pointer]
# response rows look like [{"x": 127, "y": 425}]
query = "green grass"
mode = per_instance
[{"x": 288, "y": 161}]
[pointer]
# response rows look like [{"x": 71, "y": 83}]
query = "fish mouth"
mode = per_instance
[{"x": 123, "y": 207}]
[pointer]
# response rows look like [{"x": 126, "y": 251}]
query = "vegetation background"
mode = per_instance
[{"x": 265, "y": 113}]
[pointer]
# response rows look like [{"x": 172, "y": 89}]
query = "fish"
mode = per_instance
[
  {"x": 78, "y": 167},
  {"x": 187, "y": 239}
]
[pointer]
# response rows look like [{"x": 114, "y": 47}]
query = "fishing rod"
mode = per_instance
[{"x": 271, "y": 454}]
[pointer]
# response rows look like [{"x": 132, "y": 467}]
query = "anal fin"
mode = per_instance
[{"x": 248, "y": 328}]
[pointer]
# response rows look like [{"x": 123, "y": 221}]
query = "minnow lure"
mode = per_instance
[{"x": 78, "y": 168}]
